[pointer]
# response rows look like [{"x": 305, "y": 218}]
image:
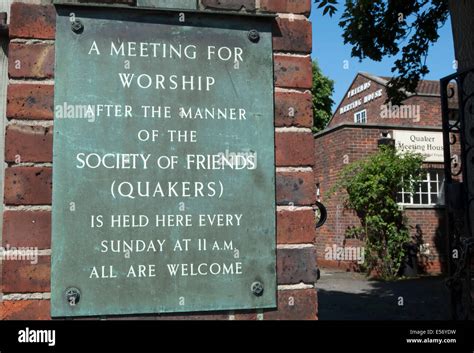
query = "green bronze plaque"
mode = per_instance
[{"x": 163, "y": 167}]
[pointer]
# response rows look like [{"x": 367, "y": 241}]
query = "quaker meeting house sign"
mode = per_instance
[{"x": 163, "y": 167}]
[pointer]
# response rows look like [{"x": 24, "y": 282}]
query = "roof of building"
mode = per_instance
[{"x": 425, "y": 87}]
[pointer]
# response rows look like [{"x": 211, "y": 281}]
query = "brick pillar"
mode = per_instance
[
  {"x": 28, "y": 183},
  {"x": 28, "y": 153}
]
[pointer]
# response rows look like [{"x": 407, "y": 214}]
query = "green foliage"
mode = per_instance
[
  {"x": 378, "y": 28},
  {"x": 322, "y": 91},
  {"x": 328, "y": 5},
  {"x": 371, "y": 187}
]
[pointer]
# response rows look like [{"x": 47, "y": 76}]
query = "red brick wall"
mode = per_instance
[
  {"x": 333, "y": 151},
  {"x": 432, "y": 226},
  {"x": 28, "y": 183},
  {"x": 429, "y": 108}
]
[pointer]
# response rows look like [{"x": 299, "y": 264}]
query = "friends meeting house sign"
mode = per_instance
[
  {"x": 164, "y": 174},
  {"x": 360, "y": 101}
]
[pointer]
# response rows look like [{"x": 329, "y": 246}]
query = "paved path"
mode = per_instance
[{"x": 351, "y": 296}]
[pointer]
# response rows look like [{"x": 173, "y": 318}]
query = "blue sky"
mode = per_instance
[{"x": 330, "y": 52}]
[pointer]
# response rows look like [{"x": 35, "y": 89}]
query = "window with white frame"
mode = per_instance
[
  {"x": 361, "y": 117},
  {"x": 428, "y": 191}
]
